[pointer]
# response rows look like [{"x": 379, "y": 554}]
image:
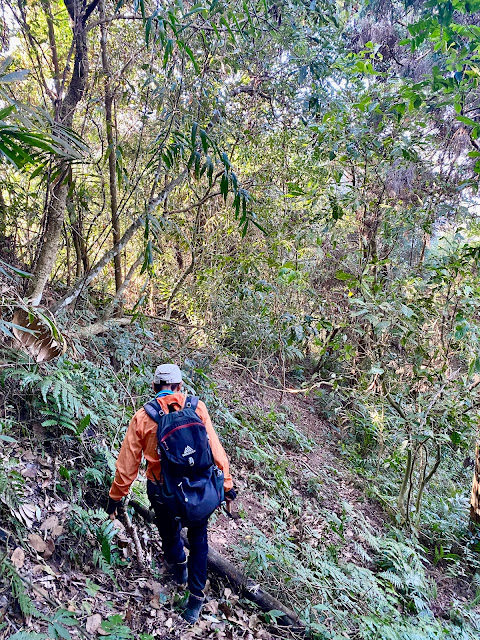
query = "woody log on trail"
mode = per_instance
[{"x": 188, "y": 476}]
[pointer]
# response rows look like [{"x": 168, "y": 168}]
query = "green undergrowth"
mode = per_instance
[
  {"x": 374, "y": 447},
  {"x": 384, "y": 591},
  {"x": 318, "y": 555}
]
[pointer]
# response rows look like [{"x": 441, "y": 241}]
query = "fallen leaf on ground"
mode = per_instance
[
  {"x": 210, "y": 618},
  {"x": 49, "y": 548},
  {"x": 29, "y": 472},
  {"x": 211, "y": 607},
  {"x": 93, "y": 623},
  {"x": 50, "y": 523},
  {"x": 37, "y": 543},
  {"x": 118, "y": 525},
  {"x": 47, "y": 582},
  {"x": 253, "y": 621},
  {"x": 18, "y": 557},
  {"x": 26, "y": 513},
  {"x": 38, "y": 431},
  {"x": 60, "y": 506},
  {"x": 48, "y": 569},
  {"x": 41, "y": 593},
  {"x": 156, "y": 587}
]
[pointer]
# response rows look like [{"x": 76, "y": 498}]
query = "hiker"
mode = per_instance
[{"x": 180, "y": 428}]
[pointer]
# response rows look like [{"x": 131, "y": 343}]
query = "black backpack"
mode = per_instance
[{"x": 191, "y": 485}]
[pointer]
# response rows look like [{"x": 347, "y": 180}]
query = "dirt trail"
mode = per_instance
[
  {"x": 337, "y": 484},
  {"x": 145, "y": 599},
  {"x": 48, "y": 555}
]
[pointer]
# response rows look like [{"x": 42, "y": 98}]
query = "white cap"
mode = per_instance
[{"x": 168, "y": 373}]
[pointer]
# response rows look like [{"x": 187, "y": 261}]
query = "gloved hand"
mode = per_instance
[
  {"x": 230, "y": 495},
  {"x": 112, "y": 507}
]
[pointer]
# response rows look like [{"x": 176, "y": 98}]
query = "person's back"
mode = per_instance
[{"x": 142, "y": 438}]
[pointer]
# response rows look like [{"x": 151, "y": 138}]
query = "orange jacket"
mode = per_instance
[{"x": 141, "y": 437}]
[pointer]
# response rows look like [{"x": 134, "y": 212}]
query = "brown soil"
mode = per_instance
[{"x": 338, "y": 485}]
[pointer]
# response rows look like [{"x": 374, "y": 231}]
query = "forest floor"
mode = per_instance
[
  {"x": 339, "y": 486},
  {"x": 344, "y": 487},
  {"x": 146, "y": 601}
]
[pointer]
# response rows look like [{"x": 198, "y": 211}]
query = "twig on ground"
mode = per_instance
[
  {"x": 131, "y": 529},
  {"x": 317, "y": 385}
]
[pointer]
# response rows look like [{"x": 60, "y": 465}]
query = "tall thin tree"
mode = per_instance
[
  {"x": 65, "y": 105},
  {"x": 112, "y": 150}
]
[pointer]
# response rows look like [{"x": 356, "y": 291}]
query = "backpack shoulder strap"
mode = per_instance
[
  {"x": 191, "y": 402},
  {"x": 153, "y": 410}
]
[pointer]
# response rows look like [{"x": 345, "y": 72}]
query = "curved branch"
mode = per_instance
[
  {"x": 121, "y": 244},
  {"x": 107, "y": 257}
]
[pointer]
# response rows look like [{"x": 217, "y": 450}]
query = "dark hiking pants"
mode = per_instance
[{"x": 172, "y": 544}]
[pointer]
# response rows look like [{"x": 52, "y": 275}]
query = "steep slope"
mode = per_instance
[{"x": 306, "y": 530}]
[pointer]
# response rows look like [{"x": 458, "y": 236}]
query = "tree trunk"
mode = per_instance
[
  {"x": 425, "y": 479},
  {"x": 3, "y": 213},
  {"x": 50, "y": 242},
  {"x": 76, "y": 231},
  {"x": 124, "y": 240},
  {"x": 116, "y": 303},
  {"x": 76, "y": 245},
  {"x": 117, "y": 263},
  {"x": 53, "y": 47},
  {"x": 64, "y": 112},
  {"x": 475, "y": 497},
  {"x": 67, "y": 246},
  {"x": 176, "y": 289}
]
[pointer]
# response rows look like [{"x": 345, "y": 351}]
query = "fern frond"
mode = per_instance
[
  {"x": 19, "y": 592},
  {"x": 102, "y": 564},
  {"x": 11, "y": 487},
  {"x": 393, "y": 578},
  {"x": 45, "y": 386},
  {"x": 25, "y": 377},
  {"x": 361, "y": 552}
]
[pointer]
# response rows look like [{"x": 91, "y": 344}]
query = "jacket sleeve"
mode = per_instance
[
  {"x": 128, "y": 460},
  {"x": 218, "y": 451}
]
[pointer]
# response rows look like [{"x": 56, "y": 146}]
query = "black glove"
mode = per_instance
[
  {"x": 230, "y": 495},
  {"x": 112, "y": 505}
]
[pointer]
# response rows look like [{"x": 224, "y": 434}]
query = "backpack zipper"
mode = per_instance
[{"x": 181, "y": 426}]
